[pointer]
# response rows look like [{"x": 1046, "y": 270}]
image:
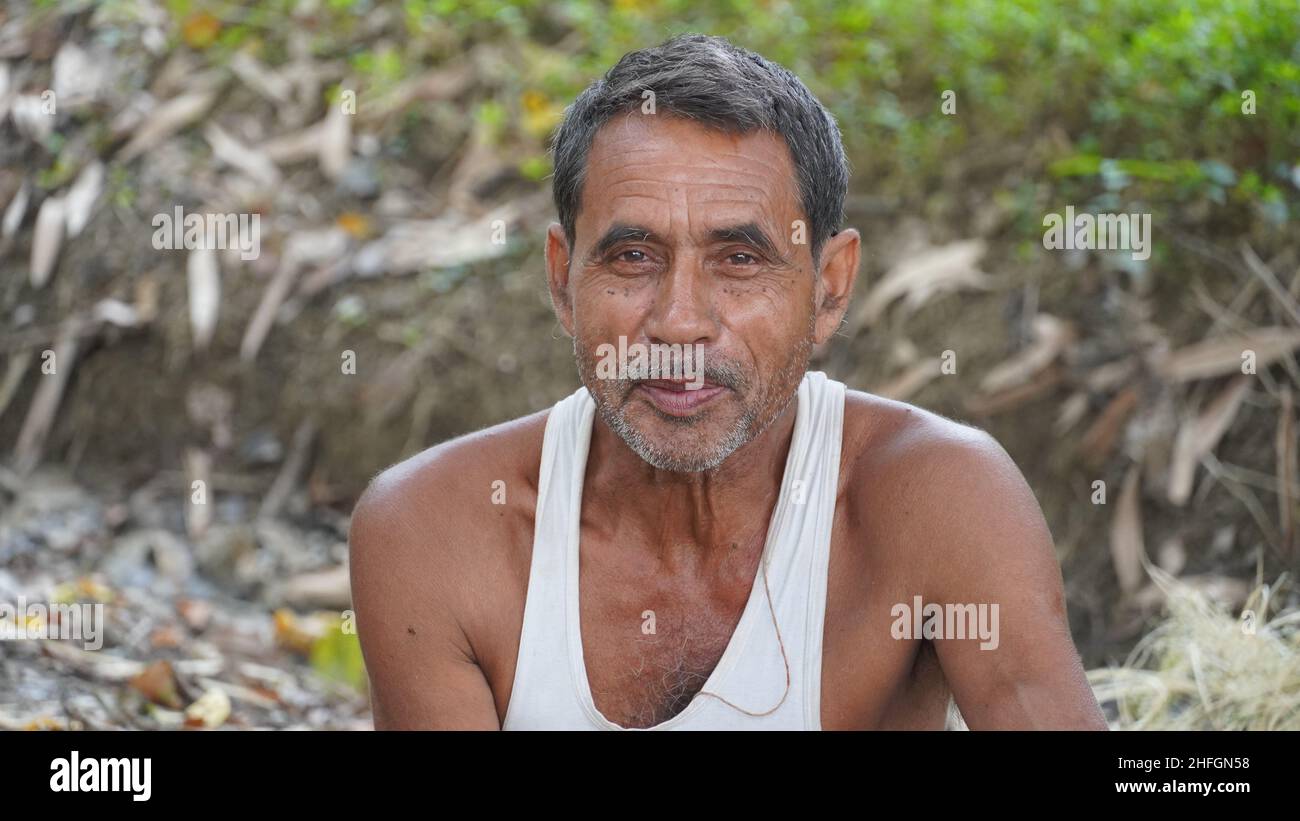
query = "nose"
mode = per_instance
[{"x": 683, "y": 310}]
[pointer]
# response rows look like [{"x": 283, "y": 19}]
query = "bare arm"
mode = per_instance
[
  {"x": 992, "y": 547},
  {"x": 406, "y": 594}
]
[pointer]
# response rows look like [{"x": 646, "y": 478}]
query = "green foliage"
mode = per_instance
[
  {"x": 336, "y": 655},
  {"x": 1136, "y": 100}
]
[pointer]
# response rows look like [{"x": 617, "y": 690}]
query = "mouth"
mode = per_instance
[{"x": 678, "y": 397}]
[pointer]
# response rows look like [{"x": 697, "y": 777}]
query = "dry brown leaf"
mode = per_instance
[
  {"x": 1042, "y": 383},
  {"x": 1099, "y": 439},
  {"x": 1126, "y": 546},
  {"x": 1224, "y": 355},
  {"x": 335, "y": 146},
  {"x": 16, "y": 211},
  {"x": 1072, "y": 410},
  {"x": 47, "y": 239},
  {"x": 49, "y": 394},
  {"x": 93, "y": 663},
  {"x": 295, "y": 146},
  {"x": 234, "y": 153},
  {"x": 921, "y": 276},
  {"x": 167, "y": 119},
  {"x": 439, "y": 84},
  {"x": 261, "y": 78},
  {"x": 1106, "y": 378},
  {"x": 448, "y": 241},
  {"x": 1199, "y": 435},
  {"x": 204, "y": 279},
  {"x": 302, "y": 248},
  {"x": 29, "y": 115},
  {"x": 329, "y": 588},
  {"x": 1286, "y": 472},
  {"x": 15, "y": 369},
  {"x": 81, "y": 197},
  {"x": 1052, "y": 337},
  {"x": 915, "y": 377},
  {"x": 158, "y": 684}
]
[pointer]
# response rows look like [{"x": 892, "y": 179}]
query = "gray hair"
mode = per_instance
[{"x": 719, "y": 85}]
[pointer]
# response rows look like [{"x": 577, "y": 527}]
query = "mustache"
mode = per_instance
[{"x": 724, "y": 372}]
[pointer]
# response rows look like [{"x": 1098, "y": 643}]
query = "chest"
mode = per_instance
[{"x": 652, "y": 637}]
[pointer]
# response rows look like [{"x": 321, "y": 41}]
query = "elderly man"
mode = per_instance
[{"x": 709, "y": 536}]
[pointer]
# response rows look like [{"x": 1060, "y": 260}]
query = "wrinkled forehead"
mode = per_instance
[{"x": 671, "y": 170}]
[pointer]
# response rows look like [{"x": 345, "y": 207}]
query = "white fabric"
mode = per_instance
[{"x": 551, "y": 690}]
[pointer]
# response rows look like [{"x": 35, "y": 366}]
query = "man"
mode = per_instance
[{"x": 745, "y": 546}]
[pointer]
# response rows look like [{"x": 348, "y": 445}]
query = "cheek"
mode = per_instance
[
  {"x": 608, "y": 305},
  {"x": 772, "y": 310}
]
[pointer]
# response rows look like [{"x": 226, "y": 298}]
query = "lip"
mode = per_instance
[{"x": 674, "y": 399}]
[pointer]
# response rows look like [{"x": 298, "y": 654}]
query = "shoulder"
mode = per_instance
[
  {"x": 916, "y": 447},
  {"x": 433, "y": 514},
  {"x": 938, "y": 494},
  {"x": 433, "y": 486}
]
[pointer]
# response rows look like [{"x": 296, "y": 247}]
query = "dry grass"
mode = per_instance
[{"x": 1203, "y": 669}]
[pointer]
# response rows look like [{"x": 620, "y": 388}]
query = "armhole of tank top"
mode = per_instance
[
  {"x": 549, "y": 436},
  {"x": 816, "y": 623}
]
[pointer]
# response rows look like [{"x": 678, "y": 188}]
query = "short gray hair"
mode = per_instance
[{"x": 719, "y": 85}]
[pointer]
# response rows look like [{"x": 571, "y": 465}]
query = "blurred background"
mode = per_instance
[{"x": 378, "y": 143}]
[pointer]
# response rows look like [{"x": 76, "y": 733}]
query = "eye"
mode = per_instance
[
  {"x": 741, "y": 258},
  {"x": 631, "y": 255}
]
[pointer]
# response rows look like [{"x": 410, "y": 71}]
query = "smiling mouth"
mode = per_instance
[{"x": 675, "y": 397}]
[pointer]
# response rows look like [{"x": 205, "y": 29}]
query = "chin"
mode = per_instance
[{"x": 682, "y": 444}]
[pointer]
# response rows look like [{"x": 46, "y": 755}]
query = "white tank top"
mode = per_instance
[{"x": 551, "y": 691}]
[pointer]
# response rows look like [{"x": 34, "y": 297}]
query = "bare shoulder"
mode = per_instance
[
  {"x": 446, "y": 487},
  {"x": 945, "y": 495},
  {"x": 915, "y": 446},
  {"x": 448, "y": 515}
]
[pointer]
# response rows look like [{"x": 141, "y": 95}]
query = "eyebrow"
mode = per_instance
[
  {"x": 749, "y": 233},
  {"x": 619, "y": 232}
]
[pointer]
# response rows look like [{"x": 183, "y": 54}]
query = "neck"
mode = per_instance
[{"x": 688, "y": 516}]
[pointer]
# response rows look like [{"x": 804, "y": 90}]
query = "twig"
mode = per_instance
[{"x": 1259, "y": 269}]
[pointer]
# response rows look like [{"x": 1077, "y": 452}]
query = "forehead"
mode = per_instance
[{"x": 639, "y": 165}]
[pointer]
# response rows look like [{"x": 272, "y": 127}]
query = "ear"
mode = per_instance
[
  {"x": 839, "y": 270},
  {"x": 557, "y": 275}
]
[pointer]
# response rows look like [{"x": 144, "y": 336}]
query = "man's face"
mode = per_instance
[{"x": 689, "y": 236}]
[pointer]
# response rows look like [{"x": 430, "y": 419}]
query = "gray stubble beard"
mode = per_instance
[{"x": 610, "y": 397}]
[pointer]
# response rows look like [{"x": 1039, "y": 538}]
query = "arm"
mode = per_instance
[
  {"x": 992, "y": 546},
  {"x": 422, "y": 670}
]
